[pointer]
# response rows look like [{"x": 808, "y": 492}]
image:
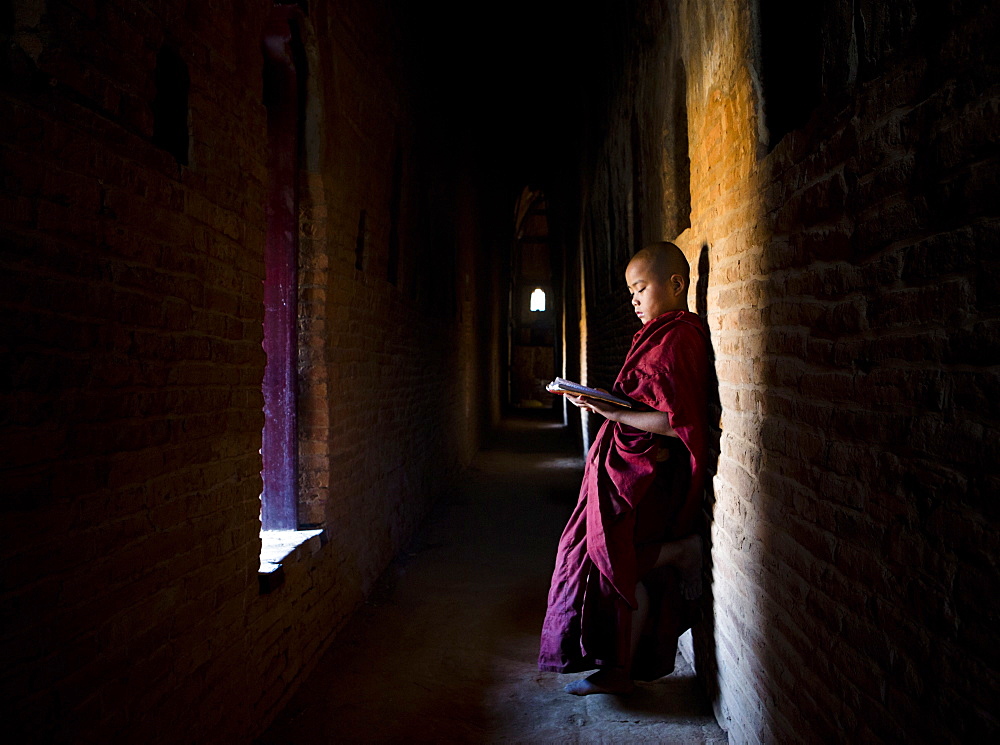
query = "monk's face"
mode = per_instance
[{"x": 654, "y": 292}]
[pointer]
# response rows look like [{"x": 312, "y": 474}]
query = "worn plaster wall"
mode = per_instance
[
  {"x": 132, "y": 360},
  {"x": 845, "y": 270}
]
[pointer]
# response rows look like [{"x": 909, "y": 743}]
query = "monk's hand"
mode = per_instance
[
  {"x": 596, "y": 406},
  {"x": 606, "y": 410}
]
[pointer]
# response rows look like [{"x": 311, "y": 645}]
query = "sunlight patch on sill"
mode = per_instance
[{"x": 280, "y": 547}]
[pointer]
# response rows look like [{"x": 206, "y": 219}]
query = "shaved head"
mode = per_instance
[
  {"x": 664, "y": 259},
  {"x": 658, "y": 278}
]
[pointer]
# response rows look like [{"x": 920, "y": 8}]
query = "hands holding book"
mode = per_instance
[
  {"x": 612, "y": 407},
  {"x": 597, "y": 406},
  {"x": 575, "y": 390},
  {"x": 595, "y": 400}
]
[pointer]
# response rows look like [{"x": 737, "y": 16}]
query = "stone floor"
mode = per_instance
[{"x": 444, "y": 651}]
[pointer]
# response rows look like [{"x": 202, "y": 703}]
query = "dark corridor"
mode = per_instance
[
  {"x": 177, "y": 175},
  {"x": 443, "y": 649}
]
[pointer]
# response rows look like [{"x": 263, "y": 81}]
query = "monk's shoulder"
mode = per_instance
[
  {"x": 684, "y": 338},
  {"x": 654, "y": 358},
  {"x": 686, "y": 330}
]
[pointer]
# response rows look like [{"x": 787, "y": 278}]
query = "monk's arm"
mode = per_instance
[{"x": 657, "y": 422}]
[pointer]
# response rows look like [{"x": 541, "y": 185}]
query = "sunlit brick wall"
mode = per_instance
[
  {"x": 846, "y": 274},
  {"x": 855, "y": 330}
]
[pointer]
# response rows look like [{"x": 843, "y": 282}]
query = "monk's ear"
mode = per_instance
[{"x": 678, "y": 284}]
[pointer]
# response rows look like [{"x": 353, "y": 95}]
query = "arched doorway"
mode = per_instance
[{"x": 534, "y": 306}]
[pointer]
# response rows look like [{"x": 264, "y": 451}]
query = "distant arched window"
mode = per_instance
[{"x": 537, "y": 300}]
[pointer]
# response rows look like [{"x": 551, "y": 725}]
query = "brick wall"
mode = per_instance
[
  {"x": 845, "y": 271},
  {"x": 132, "y": 363}
]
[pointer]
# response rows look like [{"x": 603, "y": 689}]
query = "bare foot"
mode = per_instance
[
  {"x": 688, "y": 565},
  {"x": 603, "y": 681}
]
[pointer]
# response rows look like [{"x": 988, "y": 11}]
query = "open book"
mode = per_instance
[{"x": 562, "y": 387}]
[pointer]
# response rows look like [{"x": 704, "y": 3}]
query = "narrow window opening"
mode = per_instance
[
  {"x": 7, "y": 18},
  {"x": 170, "y": 106},
  {"x": 613, "y": 248},
  {"x": 682, "y": 158},
  {"x": 395, "y": 202},
  {"x": 359, "y": 244},
  {"x": 791, "y": 48},
  {"x": 538, "y": 300},
  {"x": 279, "y": 451},
  {"x": 637, "y": 184}
]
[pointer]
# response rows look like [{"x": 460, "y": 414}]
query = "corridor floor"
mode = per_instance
[{"x": 444, "y": 651}]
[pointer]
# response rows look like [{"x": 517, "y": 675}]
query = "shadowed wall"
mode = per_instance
[
  {"x": 132, "y": 207},
  {"x": 835, "y": 195}
]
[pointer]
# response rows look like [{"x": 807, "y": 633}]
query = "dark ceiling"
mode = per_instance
[{"x": 518, "y": 81}]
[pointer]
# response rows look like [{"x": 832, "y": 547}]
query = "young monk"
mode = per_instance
[{"x": 628, "y": 558}]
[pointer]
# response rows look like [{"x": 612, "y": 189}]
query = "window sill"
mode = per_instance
[{"x": 280, "y": 547}]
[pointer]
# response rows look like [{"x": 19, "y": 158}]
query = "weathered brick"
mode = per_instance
[
  {"x": 136, "y": 290},
  {"x": 850, "y": 294},
  {"x": 851, "y": 309}
]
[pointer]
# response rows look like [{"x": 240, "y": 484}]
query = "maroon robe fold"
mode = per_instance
[{"x": 639, "y": 489}]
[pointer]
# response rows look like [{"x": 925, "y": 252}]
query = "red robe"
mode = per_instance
[{"x": 639, "y": 489}]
